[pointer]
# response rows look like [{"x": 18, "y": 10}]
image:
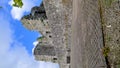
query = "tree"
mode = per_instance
[{"x": 18, "y": 3}]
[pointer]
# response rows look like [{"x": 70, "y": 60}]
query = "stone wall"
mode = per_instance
[
  {"x": 96, "y": 34},
  {"x": 59, "y": 13},
  {"x": 111, "y": 24},
  {"x": 45, "y": 50},
  {"x": 56, "y": 30}
]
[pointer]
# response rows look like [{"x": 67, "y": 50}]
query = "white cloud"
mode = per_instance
[
  {"x": 17, "y": 13},
  {"x": 35, "y": 44},
  {"x": 13, "y": 54}
]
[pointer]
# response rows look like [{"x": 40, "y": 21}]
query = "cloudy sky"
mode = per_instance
[{"x": 16, "y": 42}]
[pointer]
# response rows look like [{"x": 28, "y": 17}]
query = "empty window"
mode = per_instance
[
  {"x": 47, "y": 32},
  {"x": 68, "y": 59},
  {"x": 54, "y": 58}
]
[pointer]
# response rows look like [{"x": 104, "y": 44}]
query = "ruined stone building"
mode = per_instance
[
  {"x": 96, "y": 26},
  {"x": 53, "y": 21}
]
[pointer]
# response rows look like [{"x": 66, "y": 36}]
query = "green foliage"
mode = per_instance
[
  {"x": 118, "y": 66},
  {"x": 106, "y": 51},
  {"x": 18, "y": 3},
  {"x": 108, "y": 2},
  {"x": 40, "y": 38}
]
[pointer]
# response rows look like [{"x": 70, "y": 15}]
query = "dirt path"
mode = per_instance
[{"x": 78, "y": 29}]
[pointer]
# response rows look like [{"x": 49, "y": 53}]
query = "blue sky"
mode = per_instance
[{"x": 16, "y": 42}]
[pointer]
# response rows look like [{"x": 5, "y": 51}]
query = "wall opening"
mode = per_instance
[
  {"x": 54, "y": 58},
  {"x": 68, "y": 59}
]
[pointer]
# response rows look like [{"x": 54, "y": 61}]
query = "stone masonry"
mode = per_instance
[
  {"x": 111, "y": 24},
  {"x": 53, "y": 21},
  {"x": 80, "y": 44}
]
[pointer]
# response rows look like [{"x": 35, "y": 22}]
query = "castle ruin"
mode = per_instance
[
  {"x": 54, "y": 45},
  {"x": 96, "y": 27}
]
